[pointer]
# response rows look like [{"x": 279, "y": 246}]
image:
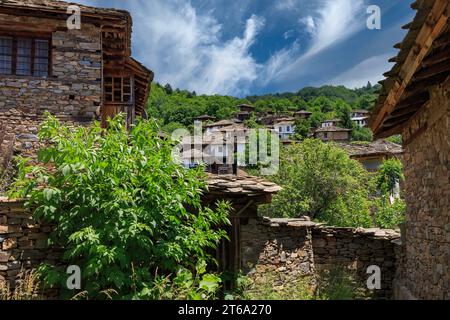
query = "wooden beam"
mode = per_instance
[
  {"x": 431, "y": 29},
  {"x": 436, "y": 69},
  {"x": 436, "y": 58}
]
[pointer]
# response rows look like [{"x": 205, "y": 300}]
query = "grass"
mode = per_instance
[
  {"x": 335, "y": 284},
  {"x": 28, "y": 288}
]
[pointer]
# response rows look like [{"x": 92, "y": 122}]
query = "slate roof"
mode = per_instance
[
  {"x": 403, "y": 93},
  {"x": 54, "y": 5},
  {"x": 379, "y": 147},
  {"x": 333, "y": 129},
  {"x": 248, "y": 185}
]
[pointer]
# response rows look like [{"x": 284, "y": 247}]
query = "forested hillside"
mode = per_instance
[{"x": 177, "y": 108}]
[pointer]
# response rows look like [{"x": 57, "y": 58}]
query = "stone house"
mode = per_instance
[
  {"x": 371, "y": 155},
  {"x": 77, "y": 75},
  {"x": 360, "y": 117},
  {"x": 415, "y": 102},
  {"x": 331, "y": 123},
  {"x": 333, "y": 133},
  {"x": 284, "y": 129},
  {"x": 303, "y": 114}
]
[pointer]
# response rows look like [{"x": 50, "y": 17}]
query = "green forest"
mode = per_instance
[{"x": 178, "y": 108}]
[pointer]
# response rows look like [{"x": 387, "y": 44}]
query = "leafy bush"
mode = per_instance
[
  {"x": 390, "y": 209},
  {"x": 389, "y": 215},
  {"x": 321, "y": 181},
  {"x": 362, "y": 134},
  {"x": 123, "y": 210},
  {"x": 184, "y": 286}
]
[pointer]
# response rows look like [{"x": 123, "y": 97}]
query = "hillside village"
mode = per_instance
[
  {"x": 83, "y": 160},
  {"x": 225, "y": 138}
]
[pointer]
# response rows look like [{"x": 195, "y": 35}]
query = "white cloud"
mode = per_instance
[
  {"x": 288, "y": 34},
  {"x": 371, "y": 69},
  {"x": 309, "y": 23},
  {"x": 334, "y": 22},
  {"x": 186, "y": 49},
  {"x": 285, "y": 4}
]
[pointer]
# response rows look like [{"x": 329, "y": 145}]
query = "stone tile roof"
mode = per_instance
[
  {"x": 305, "y": 222},
  {"x": 55, "y": 5},
  {"x": 222, "y": 123},
  {"x": 405, "y": 89},
  {"x": 333, "y": 129},
  {"x": 247, "y": 185},
  {"x": 360, "y": 149}
]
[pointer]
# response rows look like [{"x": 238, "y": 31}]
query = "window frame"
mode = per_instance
[{"x": 33, "y": 36}]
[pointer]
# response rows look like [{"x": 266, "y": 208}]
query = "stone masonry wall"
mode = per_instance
[
  {"x": 425, "y": 273},
  {"x": 72, "y": 92},
  {"x": 278, "y": 245},
  {"x": 23, "y": 242},
  {"x": 294, "y": 248},
  {"x": 357, "y": 250}
]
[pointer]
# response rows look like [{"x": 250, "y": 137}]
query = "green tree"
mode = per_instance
[
  {"x": 321, "y": 181},
  {"x": 362, "y": 134},
  {"x": 390, "y": 208},
  {"x": 302, "y": 129},
  {"x": 122, "y": 209}
]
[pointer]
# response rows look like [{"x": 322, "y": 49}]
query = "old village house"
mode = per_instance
[
  {"x": 415, "y": 102},
  {"x": 77, "y": 75}
]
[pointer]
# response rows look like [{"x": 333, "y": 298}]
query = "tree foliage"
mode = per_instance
[
  {"x": 320, "y": 180},
  {"x": 123, "y": 210},
  {"x": 181, "y": 107}
]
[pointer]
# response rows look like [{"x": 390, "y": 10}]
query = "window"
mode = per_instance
[
  {"x": 280, "y": 129},
  {"x": 24, "y": 56},
  {"x": 118, "y": 89},
  {"x": 6, "y": 46},
  {"x": 288, "y": 129}
]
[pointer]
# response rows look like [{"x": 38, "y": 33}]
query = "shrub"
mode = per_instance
[
  {"x": 321, "y": 181},
  {"x": 123, "y": 210},
  {"x": 390, "y": 209}
]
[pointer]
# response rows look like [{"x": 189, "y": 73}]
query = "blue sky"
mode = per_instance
[{"x": 251, "y": 47}]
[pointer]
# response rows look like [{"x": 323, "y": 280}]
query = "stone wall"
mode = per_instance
[
  {"x": 277, "y": 245},
  {"x": 294, "y": 248},
  {"x": 72, "y": 91},
  {"x": 23, "y": 242},
  {"x": 425, "y": 273}
]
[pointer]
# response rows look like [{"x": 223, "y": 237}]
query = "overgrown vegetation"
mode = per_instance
[
  {"x": 320, "y": 180},
  {"x": 335, "y": 284},
  {"x": 28, "y": 288},
  {"x": 124, "y": 211}
]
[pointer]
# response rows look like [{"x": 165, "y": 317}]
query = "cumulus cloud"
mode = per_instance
[
  {"x": 371, "y": 69},
  {"x": 186, "y": 48}
]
